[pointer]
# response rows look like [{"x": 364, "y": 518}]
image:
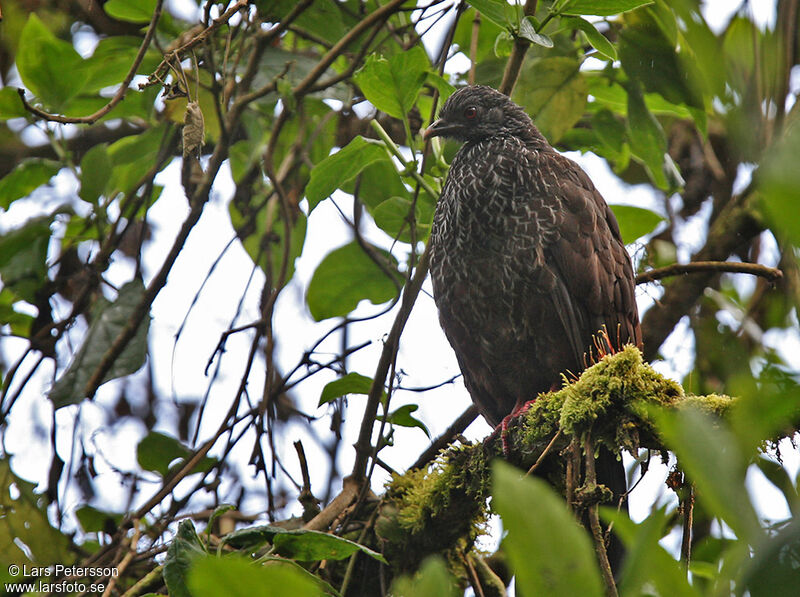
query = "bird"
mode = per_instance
[{"x": 526, "y": 260}]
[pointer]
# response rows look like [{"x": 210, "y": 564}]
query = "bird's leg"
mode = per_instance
[{"x": 519, "y": 409}]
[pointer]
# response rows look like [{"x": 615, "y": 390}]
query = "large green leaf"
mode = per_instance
[
  {"x": 602, "y": 8},
  {"x": 346, "y": 276},
  {"x": 10, "y": 104},
  {"x": 392, "y": 85},
  {"x": 134, "y": 11},
  {"x": 647, "y": 563},
  {"x": 598, "y": 41},
  {"x": 635, "y": 222},
  {"x": 259, "y": 224},
  {"x": 494, "y": 10},
  {"x": 237, "y": 577},
  {"x": 312, "y": 546},
  {"x": 779, "y": 180},
  {"x": 651, "y": 59},
  {"x": 710, "y": 455},
  {"x": 185, "y": 549},
  {"x": 324, "y": 20},
  {"x": 340, "y": 167},
  {"x": 132, "y": 157},
  {"x": 110, "y": 62},
  {"x": 549, "y": 552},
  {"x": 647, "y": 138},
  {"x": 28, "y": 537},
  {"x": 432, "y": 580},
  {"x": 156, "y": 451},
  {"x": 392, "y": 215},
  {"x": 554, "y": 92},
  {"x": 108, "y": 320},
  {"x": 25, "y": 178},
  {"x": 95, "y": 167},
  {"x": 23, "y": 255},
  {"x": 48, "y": 66}
]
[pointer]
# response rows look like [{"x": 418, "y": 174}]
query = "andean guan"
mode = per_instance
[{"x": 527, "y": 263}]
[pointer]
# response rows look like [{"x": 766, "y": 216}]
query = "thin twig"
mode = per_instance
[
  {"x": 473, "y": 47},
  {"x": 544, "y": 454},
  {"x": 770, "y": 273},
  {"x": 120, "y": 568},
  {"x": 514, "y": 64},
  {"x": 363, "y": 445},
  {"x": 594, "y": 520},
  {"x": 687, "y": 506}
]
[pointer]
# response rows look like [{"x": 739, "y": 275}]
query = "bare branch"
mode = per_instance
[{"x": 770, "y": 273}]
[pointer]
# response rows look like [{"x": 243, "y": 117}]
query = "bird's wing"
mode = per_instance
[{"x": 594, "y": 285}]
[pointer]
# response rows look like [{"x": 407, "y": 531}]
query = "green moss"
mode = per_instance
[{"x": 444, "y": 507}]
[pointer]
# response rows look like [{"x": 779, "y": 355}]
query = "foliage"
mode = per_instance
[{"x": 317, "y": 104}]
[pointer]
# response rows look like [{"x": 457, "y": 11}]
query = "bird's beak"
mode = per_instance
[{"x": 438, "y": 128}]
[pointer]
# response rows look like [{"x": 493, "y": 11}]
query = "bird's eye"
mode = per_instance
[{"x": 470, "y": 112}]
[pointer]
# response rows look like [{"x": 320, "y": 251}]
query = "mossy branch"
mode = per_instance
[{"x": 443, "y": 508}]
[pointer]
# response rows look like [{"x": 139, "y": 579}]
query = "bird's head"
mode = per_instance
[{"x": 478, "y": 112}]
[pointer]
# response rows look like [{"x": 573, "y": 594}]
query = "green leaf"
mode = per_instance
[
  {"x": 602, "y": 8},
  {"x": 708, "y": 452},
  {"x": 110, "y": 62},
  {"x": 48, "y": 66},
  {"x": 95, "y": 167},
  {"x": 402, "y": 417},
  {"x": 311, "y": 546},
  {"x": 503, "y": 44},
  {"x": 25, "y": 178},
  {"x": 598, "y": 41},
  {"x": 133, "y": 11},
  {"x": 635, "y": 222},
  {"x": 325, "y": 20},
  {"x": 11, "y": 104},
  {"x": 610, "y": 130},
  {"x": 527, "y": 31},
  {"x": 340, "y": 167},
  {"x": 549, "y": 551},
  {"x": 554, "y": 92},
  {"x": 392, "y": 85},
  {"x": 391, "y": 216},
  {"x": 345, "y": 277},
  {"x": 775, "y": 566},
  {"x": 25, "y": 526},
  {"x": 252, "y": 537},
  {"x": 647, "y": 563},
  {"x": 156, "y": 451},
  {"x": 238, "y": 577},
  {"x": 647, "y": 138},
  {"x": 20, "y": 323},
  {"x": 23, "y": 258},
  {"x": 779, "y": 180},
  {"x": 352, "y": 383},
  {"x": 494, "y": 10},
  {"x": 266, "y": 247},
  {"x": 432, "y": 580},
  {"x": 649, "y": 58},
  {"x": 185, "y": 549},
  {"x": 108, "y": 320},
  {"x": 132, "y": 157}
]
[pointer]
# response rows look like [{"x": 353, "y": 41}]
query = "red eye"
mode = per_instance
[{"x": 470, "y": 112}]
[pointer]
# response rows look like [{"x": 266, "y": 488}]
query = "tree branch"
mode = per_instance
[
  {"x": 514, "y": 64},
  {"x": 676, "y": 269},
  {"x": 736, "y": 225}
]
